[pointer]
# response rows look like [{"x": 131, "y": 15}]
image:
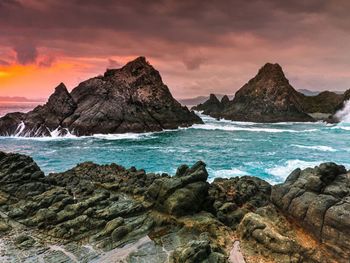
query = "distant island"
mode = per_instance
[
  {"x": 308, "y": 92},
  {"x": 20, "y": 99},
  {"x": 200, "y": 99}
]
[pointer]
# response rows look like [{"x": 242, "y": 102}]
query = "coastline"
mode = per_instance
[{"x": 94, "y": 208}]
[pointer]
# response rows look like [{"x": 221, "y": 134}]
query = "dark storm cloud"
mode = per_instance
[
  {"x": 203, "y": 37},
  {"x": 193, "y": 21},
  {"x": 25, "y": 53}
]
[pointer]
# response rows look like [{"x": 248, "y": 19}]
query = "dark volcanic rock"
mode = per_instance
[
  {"x": 319, "y": 200},
  {"x": 99, "y": 213},
  {"x": 182, "y": 194},
  {"x": 234, "y": 197},
  {"x": 211, "y": 107},
  {"x": 105, "y": 207},
  {"x": 325, "y": 102},
  {"x": 268, "y": 97},
  {"x": 130, "y": 99},
  {"x": 43, "y": 119}
]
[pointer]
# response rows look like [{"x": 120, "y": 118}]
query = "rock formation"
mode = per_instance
[
  {"x": 107, "y": 213},
  {"x": 211, "y": 107},
  {"x": 269, "y": 97},
  {"x": 319, "y": 200},
  {"x": 130, "y": 99}
]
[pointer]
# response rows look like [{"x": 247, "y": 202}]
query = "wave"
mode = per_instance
[
  {"x": 342, "y": 126},
  {"x": 282, "y": 171},
  {"x": 249, "y": 129},
  {"x": 123, "y": 136},
  {"x": 249, "y": 123},
  {"x": 318, "y": 147},
  {"x": 344, "y": 114},
  {"x": 226, "y": 173}
]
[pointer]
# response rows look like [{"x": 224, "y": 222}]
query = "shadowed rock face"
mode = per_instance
[
  {"x": 97, "y": 213},
  {"x": 130, "y": 99},
  {"x": 319, "y": 200},
  {"x": 211, "y": 106},
  {"x": 268, "y": 97}
]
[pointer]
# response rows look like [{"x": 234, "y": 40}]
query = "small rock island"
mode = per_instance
[
  {"x": 269, "y": 97},
  {"x": 130, "y": 99}
]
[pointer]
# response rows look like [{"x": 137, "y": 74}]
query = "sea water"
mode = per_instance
[{"x": 269, "y": 151}]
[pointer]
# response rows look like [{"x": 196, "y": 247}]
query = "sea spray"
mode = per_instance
[{"x": 344, "y": 114}]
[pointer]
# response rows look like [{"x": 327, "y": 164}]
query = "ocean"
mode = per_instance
[{"x": 268, "y": 151}]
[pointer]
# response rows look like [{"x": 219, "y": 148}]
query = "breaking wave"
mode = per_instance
[
  {"x": 214, "y": 126},
  {"x": 226, "y": 173},
  {"x": 344, "y": 114},
  {"x": 319, "y": 147},
  {"x": 63, "y": 133},
  {"x": 282, "y": 171}
]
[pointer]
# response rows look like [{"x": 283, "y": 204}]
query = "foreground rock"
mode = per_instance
[
  {"x": 319, "y": 200},
  {"x": 130, "y": 99},
  {"x": 106, "y": 213}
]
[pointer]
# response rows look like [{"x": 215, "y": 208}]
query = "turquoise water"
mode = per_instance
[{"x": 269, "y": 151}]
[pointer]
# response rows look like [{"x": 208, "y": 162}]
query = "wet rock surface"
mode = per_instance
[
  {"x": 130, "y": 99},
  {"x": 107, "y": 213},
  {"x": 318, "y": 200}
]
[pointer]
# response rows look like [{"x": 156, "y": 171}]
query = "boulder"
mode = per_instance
[
  {"x": 182, "y": 194},
  {"x": 318, "y": 200}
]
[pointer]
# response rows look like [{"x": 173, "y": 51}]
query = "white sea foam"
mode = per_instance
[
  {"x": 249, "y": 129},
  {"x": 344, "y": 114},
  {"x": 317, "y": 147},
  {"x": 282, "y": 171},
  {"x": 226, "y": 173},
  {"x": 342, "y": 126}
]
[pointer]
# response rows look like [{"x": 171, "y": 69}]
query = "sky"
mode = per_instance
[{"x": 198, "y": 46}]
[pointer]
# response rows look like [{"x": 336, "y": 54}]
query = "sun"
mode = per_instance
[{"x": 4, "y": 74}]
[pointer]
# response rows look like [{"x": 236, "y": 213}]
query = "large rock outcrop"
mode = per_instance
[
  {"x": 130, "y": 99},
  {"x": 95, "y": 213}
]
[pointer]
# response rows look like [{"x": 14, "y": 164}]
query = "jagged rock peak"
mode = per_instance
[
  {"x": 61, "y": 88},
  {"x": 271, "y": 71},
  {"x": 225, "y": 99},
  {"x": 61, "y": 102},
  {"x": 134, "y": 67},
  {"x": 213, "y": 98}
]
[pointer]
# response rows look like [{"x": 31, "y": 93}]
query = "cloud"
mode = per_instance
[
  {"x": 4, "y": 63},
  {"x": 219, "y": 44},
  {"x": 46, "y": 61},
  {"x": 26, "y": 53},
  {"x": 193, "y": 60}
]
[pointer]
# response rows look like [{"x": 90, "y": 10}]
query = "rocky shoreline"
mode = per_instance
[{"x": 107, "y": 213}]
